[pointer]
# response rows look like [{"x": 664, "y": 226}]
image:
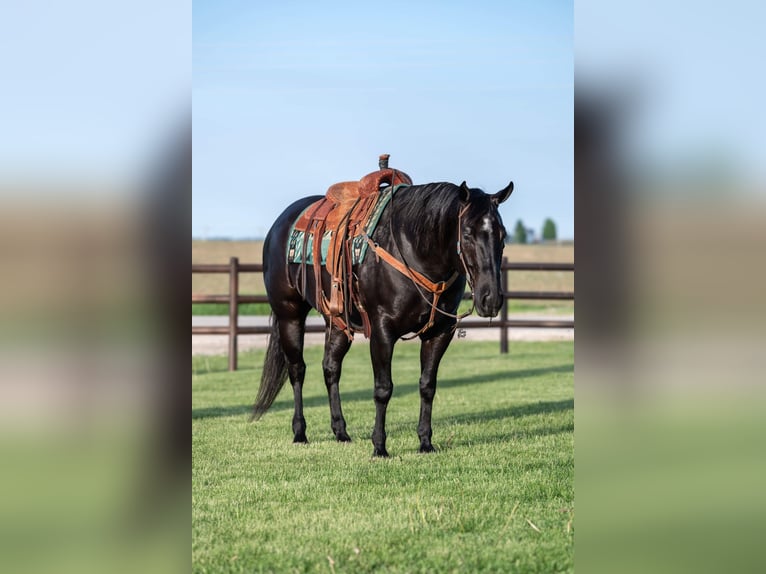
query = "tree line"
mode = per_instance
[{"x": 521, "y": 233}]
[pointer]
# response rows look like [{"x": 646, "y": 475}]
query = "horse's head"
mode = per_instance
[{"x": 481, "y": 238}]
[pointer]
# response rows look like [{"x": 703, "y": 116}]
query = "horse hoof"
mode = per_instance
[
  {"x": 380, "y": 452},
  {"x": 300, "y": 439},
  {"x": 343, "y": 437},
  {"x": 427, "y": 448}
]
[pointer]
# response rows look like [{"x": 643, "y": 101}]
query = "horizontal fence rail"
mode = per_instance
[{"x": 233, "y": 299}]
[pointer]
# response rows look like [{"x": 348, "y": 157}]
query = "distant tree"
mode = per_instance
[
  {"x": 549, "y": 230},
  {"x": 520, "y": 232}
]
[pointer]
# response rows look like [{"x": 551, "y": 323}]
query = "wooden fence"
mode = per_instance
[{"x": 233, "y": 298}]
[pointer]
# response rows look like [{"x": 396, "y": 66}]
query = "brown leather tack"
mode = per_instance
[{"x": 344, "y": 212}]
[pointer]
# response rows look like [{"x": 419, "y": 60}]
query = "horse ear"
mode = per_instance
[
  {"x": 465, "y": 193},
  {"x": 503, "y": 194}
]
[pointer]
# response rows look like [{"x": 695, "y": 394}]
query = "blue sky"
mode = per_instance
[{"x": 290, "y": 97}]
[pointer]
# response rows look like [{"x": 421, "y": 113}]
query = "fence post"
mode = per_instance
[
  {"x": 233, "y": 311},
  {"x": 504, "y": 309}
]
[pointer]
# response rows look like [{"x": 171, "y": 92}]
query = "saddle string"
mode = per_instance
[
  {"x": 345, "y": 260},
  {"x": 304, "y": 247}
]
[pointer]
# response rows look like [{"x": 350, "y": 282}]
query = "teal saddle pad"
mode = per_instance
[{"x": 359, "y": 244}]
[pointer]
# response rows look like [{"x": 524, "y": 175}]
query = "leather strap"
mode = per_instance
[{"x": 418, "y": 278}]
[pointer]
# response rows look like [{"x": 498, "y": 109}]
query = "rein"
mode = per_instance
[{"x": 421, "y": 281}]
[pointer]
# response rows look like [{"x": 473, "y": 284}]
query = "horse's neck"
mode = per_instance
[{"x": 432, "y": 250}]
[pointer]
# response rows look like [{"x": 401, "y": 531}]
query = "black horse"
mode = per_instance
[{"x": 440, "y": 230}]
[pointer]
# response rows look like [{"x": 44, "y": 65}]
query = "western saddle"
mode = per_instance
[{"x": 343, "y": 214}]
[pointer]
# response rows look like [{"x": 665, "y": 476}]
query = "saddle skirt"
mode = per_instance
[{"x": 331, "y": 234}]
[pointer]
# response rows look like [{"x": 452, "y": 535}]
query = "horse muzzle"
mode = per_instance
[{"x": 488, "y": 302}]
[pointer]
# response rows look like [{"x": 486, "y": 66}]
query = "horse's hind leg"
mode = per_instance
[
  {"x": 291, "y": 332},
  {"x": 336, "y": 346}
]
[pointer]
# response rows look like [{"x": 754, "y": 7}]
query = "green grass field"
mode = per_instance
[{"x": 497, "y": 497}]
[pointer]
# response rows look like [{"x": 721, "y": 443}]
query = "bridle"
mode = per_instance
[{"x": 468, "y": 278}]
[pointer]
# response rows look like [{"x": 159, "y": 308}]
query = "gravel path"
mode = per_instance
[{"x": 218, "y": 344}]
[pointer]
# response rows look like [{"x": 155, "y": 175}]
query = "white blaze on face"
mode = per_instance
[{"x": 486, "y": 224}]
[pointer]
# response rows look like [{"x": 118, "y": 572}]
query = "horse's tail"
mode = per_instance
[{"x": 274, "y": 373}]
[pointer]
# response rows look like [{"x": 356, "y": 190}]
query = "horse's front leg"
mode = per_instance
[
  {"x": 431, "y": 352},
  {"x": 381, "y": 350}
]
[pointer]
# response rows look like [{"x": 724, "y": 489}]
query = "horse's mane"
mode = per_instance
[{"x": 419, "y": 207}]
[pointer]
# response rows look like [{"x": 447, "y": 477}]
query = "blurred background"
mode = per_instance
[
  {"x": 95, "y": 185},
  {"x": 670, "y": 199}
]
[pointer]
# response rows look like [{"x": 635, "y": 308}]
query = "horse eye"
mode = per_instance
[{"x": 467, "y": 232}]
